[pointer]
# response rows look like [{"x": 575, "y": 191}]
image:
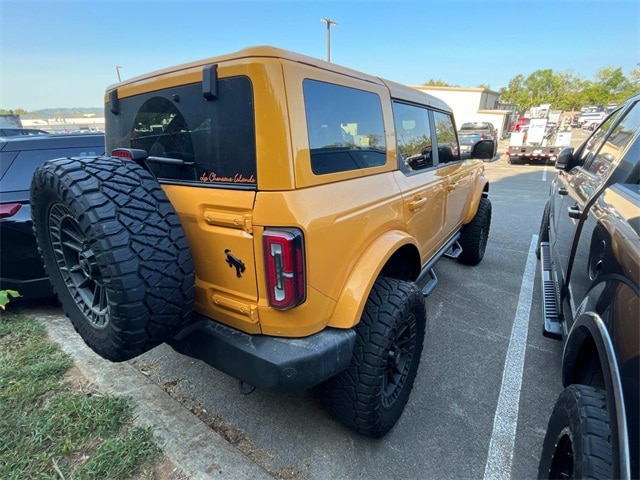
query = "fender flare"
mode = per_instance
[
  {"x": 353, "y": 296},
  {"x": 481, "y": 190},
  {"x": 591, "y": 326}
]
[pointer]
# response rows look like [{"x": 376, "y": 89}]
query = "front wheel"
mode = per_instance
[
  {"x": 370, "y": 395},
  {"x": 475, "y": 234},
  {"x": 578, "y": 439}
]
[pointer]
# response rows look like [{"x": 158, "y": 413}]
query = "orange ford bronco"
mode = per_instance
[{"x": 272, "y": 215}]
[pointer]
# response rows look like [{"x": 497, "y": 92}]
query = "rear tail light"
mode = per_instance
[
  {"x": 9, "y": 209},
  {"x": 483, "y": 137},
  {"x": 284, "y": 263}
]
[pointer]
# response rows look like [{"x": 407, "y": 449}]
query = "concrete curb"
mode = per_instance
[{"x": 191, "y": 445}]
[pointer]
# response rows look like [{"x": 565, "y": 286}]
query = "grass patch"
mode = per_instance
[{"x": 48, "y": 430}]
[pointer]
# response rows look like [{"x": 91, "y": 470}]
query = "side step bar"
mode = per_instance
[
  {"x": 454, "y": 251},
  {"x": 551, "y": 313},
  {"x": 449, "y": 249},
  {"x": 431, "y": 284}
]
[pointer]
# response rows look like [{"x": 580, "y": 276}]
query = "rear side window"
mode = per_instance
[
  {"x": 18, "y": 176},
  {"x": 345, "y": 128},
  {"x": 413, "y": 137},
  {"x": 446, "y": 138},
  {"x": 214, "y": 139}
]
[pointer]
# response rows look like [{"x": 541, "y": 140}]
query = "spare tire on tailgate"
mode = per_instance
[{"x": 115, "y": 252}]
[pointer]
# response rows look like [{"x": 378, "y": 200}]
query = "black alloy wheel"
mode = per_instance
[{"x": 78, "y": 266}]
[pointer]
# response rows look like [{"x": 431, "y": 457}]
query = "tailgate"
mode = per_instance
[
  {"x": 469, "y": 138},
  {"x": 218, "y": 225}
]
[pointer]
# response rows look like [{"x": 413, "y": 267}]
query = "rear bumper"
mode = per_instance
[{"x": 276, "y": 363}]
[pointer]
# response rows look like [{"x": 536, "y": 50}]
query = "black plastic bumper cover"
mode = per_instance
[{"x": 276, "y": 363}]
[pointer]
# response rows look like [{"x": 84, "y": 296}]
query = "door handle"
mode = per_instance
[
  {"x": 563, "y": 191},
  {"x": 574, "y": 212},
  {"x": 451, "y": 187},
  {"x": 416, "y": 204}
]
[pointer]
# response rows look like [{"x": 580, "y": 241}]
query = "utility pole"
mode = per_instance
[{"x": 329, "y": 23}]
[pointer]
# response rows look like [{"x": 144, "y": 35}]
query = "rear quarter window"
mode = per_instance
[{"x": 345, "y": 128}]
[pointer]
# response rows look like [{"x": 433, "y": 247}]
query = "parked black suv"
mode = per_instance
[
  {"x": 20, "y": 263},
  {"x": 12, "y": 132},
  {"x": 590, "y": 254}
]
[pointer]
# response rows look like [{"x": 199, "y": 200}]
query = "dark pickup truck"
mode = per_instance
[
  {"x": 470, "y": 133},
  {"x": 589, "y": 248}
]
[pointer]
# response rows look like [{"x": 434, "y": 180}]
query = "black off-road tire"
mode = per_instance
[
  {"x": 475, "y": 234},
  {"x": 370, "y": 395},
  {"x": 543, "y": 236},
  {"x": 578, "y": 439},
  {"x": 115, "y": 252}
]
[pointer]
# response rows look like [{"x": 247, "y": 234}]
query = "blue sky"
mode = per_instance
[{"x": 63, "y": 53}]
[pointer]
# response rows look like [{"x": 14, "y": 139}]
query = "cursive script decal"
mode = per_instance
[{"x": 236, "y": 178}]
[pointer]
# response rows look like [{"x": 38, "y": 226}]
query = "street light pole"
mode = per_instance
[
  {"x": 329, "y": 23},
  {"x": 118, "y": 67}
]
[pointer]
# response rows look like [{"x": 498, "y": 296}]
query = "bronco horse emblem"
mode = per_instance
[{"x": 234, "y": 261}]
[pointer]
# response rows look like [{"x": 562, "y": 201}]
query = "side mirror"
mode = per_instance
[
  {"x": 483, "y": 149},
  {"x": 565, "y": 159}
]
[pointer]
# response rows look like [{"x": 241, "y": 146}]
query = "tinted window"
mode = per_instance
[
  {"x": 446, "y": 138},
  {"x": 345, "y": 128},
  {"x": 215, "y": 139},
  {"x": 413, "y": 136},
  {"x": 18, "y": 176},
  {"x": 6, "y": 159},
  {"x": 12, "y": 132},
  {"x": 615, "y": 144},
  {"x": 595, "y": 141}
]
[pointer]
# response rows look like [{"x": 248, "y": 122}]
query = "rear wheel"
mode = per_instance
[
  {"x": 475, "y": 234},
  {"x": 370, "y": 395},
  {"x": 578, "y": 439},
  {"x": 115, "y": 252}
]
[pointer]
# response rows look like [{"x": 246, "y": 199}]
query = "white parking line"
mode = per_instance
[
  {"x": 505, "y": 421},
  {"x": 544, "y": 174}
]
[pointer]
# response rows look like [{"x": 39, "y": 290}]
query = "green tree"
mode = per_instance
[
  {"x": 17, "y": 111},
  {"x": 515, "y": 93},
  {"x": 616, "y": 85},
  {"x": 438, "y": 83},
  {"x": 567, "y": 91}
]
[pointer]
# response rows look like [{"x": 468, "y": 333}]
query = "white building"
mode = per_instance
[{"x": 472, "y": 105}]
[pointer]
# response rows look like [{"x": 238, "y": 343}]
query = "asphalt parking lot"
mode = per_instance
[{"x": 485, "y": 388}]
